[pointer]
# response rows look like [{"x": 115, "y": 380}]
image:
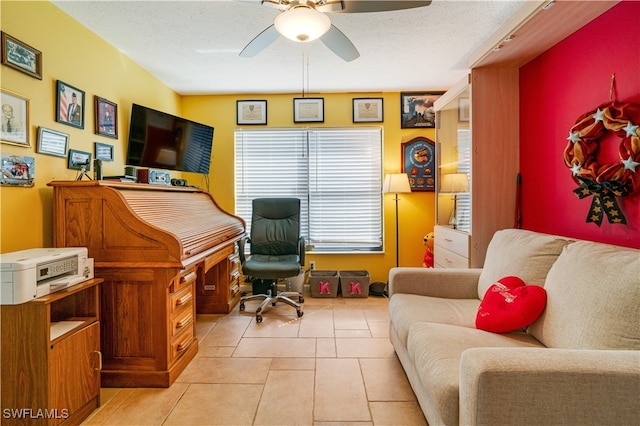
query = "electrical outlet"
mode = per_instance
[{"x": 312, "y": 265}]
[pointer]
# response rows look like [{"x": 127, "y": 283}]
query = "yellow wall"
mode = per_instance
[
  {"x": 416, "y": 210},
  {"x": 91, "y": 64},
  {"x": 80, "y": 58}
]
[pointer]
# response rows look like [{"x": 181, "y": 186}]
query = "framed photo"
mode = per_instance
[
  {"x": 419, "y": 163},
  {"x": 308, "y": 110},
  {"x": 52, "y": 142},
  {"x": 103, "y": 151},
  {"x": 69, "y": 105},
  {"x": 79, "y": 160},
  {"x": 21, "y": 56},
  {"x": 368, "y": 110},
  {"x": 251, "y": 112},
  {"x": 463, "y": 109},
  {"x": 417, "y": 110},
  {"x": 17, "y": 170},
  {"x": 106, "y": 117},
  {"x": 15, "y": 119}
]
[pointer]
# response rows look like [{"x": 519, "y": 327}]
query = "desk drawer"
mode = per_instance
[
  {"x": 182, "y": 321},
  {"x": 443, "y": 258},
  {"x": 452, "y": 240},
  {"x": 181, "y": 343},
  {"x": 180, "y": 299},
  {"x": 186, "y": 279}
]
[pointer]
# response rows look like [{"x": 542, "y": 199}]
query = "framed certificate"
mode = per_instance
[
  {"x": 52, "y": 142},
  {"x": 308, "y": 110},
  {"x": 368, "y": 110},
  {"x": 251, "y": 112}
]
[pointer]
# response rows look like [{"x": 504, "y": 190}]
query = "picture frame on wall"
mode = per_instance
[
  {"x": 20, "y": 56},
  {"x": 368, "y": 110},
  {"x": 15, "y": 119},
  {"x": 69, "y": 105},
  {"x": 17, "y": 170},
  {"x": 79, "y": 160},
  {"x": 103, "y": 151},
  {"x": 308, "y": 110},
  {"x": 52, "y": 142},
  {"x": 416, "y": 109},
  {"x": 106, "y": 117},
  {"x": 253, "y": 112},
  {"x": 419, "y": 163}
]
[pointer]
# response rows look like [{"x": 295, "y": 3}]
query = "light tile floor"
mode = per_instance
[{"x": 333, "y": 366}]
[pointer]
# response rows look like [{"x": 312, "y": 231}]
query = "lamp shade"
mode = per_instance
[
  {"x": 396, "y": 183},
  {"x": 302, "y": 24},
  {"x": 454, "y": 182}
]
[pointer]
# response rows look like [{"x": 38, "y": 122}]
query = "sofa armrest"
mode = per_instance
[
  {"x": 435, "y": 282},
  {"x": 534, "y": 386}
]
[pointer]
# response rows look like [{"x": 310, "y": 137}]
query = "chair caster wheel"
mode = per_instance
[
  {"x": 258, "y": 318},
  {"x": 300, "y": 313},
  {"x": 241, "y": 307},
  {"x": 243, "y": 293},
  {"x": 300, "y": 299}
]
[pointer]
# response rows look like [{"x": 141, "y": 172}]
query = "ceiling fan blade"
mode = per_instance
[
  {"x": 340, "y": 44},
  {"x": 362, "y": 6},
  {"x": 260, "y": 42}
]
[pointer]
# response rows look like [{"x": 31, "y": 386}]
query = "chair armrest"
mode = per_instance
[
  {"x": 301, "y": 250},
  {"x": 241, "y": 243},
  {"x": 520, "y": 386},
  {"x": 435, "y": 282}
]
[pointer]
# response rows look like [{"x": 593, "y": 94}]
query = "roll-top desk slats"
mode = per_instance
[
  {"x": 196, "y": 224},
  {"x": 165, "y": 253}
]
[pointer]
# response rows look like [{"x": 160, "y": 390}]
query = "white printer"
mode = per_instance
[{"x": 32, "y": 273}]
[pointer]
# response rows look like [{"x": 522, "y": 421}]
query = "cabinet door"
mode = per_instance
[{"x": 74, "y": 370}]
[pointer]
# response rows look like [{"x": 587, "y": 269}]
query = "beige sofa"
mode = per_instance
[{"x": 577, "y": 364}]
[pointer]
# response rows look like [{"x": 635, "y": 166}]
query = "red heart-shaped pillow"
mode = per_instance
[{"x": 509, "y": 305}]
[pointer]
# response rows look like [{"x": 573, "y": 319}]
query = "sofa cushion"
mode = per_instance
[
  {"x": 593, "y": 299},
  {"x": 510, "y": 305},
  {"x": 526, "y": 254},
  {"x": 407, "y": 309},
  {"x": 436, "y": 350}
]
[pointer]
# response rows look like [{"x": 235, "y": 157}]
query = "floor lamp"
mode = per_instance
[
  {"x": 397, "y": 183},
  {"x": 454, "y": 183}
]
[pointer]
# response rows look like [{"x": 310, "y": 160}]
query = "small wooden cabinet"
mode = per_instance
[{"x": 51, "y": 357}]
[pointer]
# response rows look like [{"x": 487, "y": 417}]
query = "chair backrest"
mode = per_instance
[{"x": 275, "y": 226}]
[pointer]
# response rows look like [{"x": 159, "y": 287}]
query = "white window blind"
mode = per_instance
[
  {"x": 464, "y": 166},
  {"x": 336, "y": 173}
]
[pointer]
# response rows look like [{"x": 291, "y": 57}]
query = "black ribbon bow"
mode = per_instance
[{"x": 604, "y": 199}]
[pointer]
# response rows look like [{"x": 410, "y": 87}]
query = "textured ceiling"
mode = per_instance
[{"x": 193, "y": 46}]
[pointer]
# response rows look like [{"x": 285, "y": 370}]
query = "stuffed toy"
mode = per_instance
[{"x": 427, "y": 262}]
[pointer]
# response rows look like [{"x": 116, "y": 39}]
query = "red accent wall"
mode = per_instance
[{"x": 570, "y": 79}]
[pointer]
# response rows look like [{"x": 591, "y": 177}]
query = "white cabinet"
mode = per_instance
[{"x": 451, "y": 248}]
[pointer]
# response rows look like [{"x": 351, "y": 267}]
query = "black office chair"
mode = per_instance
[{"x": 277, "y": 251}]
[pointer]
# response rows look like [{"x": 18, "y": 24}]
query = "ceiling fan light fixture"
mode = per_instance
[{"x": 302, "y": 24}]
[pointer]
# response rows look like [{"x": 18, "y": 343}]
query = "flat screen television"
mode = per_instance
[{"x": 164, "y": 141}]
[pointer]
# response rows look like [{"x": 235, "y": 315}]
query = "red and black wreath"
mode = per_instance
[{"x": 605, "y": 181}]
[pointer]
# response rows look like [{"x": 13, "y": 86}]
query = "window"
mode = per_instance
[
  {"x": 464, "y": 166},
  {"x": 336, "y": 173}
]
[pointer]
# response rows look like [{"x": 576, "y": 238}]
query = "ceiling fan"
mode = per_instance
[{"x": 306, "y": 20}]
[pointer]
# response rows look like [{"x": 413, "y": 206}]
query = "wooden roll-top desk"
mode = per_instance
[{"x": 165, "y": 253}]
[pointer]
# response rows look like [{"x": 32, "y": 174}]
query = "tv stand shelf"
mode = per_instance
[{"x": 51, "y": 357}]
